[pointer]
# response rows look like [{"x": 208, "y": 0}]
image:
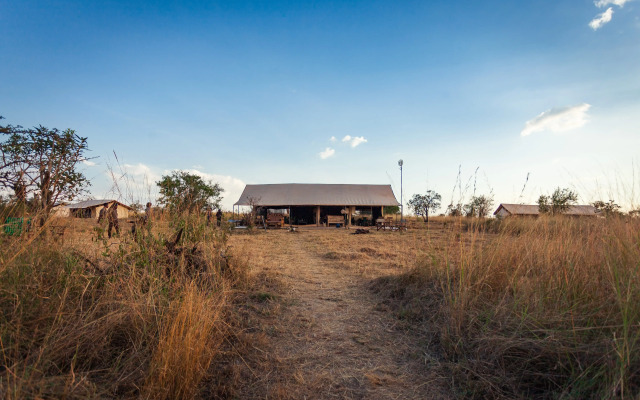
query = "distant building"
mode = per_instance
[
  {"x": 532, "y": 210},
  {"x": 60, "y": 210},
  {"x": 91, "y": 209},
  {"x": 320, "y": 203}
]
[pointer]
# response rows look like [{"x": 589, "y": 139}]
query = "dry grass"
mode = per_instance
[
  {"x": 120, "y": 318},
  {"x": 187, "y": 345},
  {"x": 527, "y": 308},
  {"x": 314, "y": 329},
  {"x": 543, "y": 308}
]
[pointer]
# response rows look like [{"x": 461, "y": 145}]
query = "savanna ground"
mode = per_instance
[
  {"x": 320, "y": 329},
  {"x": 546, "y": 308}
]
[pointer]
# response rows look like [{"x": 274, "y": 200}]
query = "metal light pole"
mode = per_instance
[{"x": 400, "y": 163}]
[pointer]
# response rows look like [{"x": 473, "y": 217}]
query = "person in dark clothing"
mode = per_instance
[
  {"x": 112, "y": 216},
  {"x": 219, "y": 216},
  {"x": 147, "y": 215},
  {"x": 103, "y": 214}
]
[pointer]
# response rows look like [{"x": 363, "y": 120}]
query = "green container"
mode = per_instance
[{"x": 13, "y": 226}]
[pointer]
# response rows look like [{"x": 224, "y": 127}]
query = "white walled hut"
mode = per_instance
[
  {"x": 321, "y": 204},
  {"x": 60, "y": 210},
  {"x": 91, "y": 208}
]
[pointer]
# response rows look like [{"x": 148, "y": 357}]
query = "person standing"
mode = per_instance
[
  {"x": 147, "y": 215},
  {"x": 113, "y": 219},
  {"x": 209, "y": 216},
  {"x": 219, "y": 217},
  {"x": 102, "y": 219},
  {"x": 102, "y": 215}
]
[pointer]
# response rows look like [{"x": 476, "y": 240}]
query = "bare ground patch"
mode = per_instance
[{"x": 318, "y": 331}]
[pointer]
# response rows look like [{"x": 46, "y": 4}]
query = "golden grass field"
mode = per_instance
[{"x": 458, "y": 308}]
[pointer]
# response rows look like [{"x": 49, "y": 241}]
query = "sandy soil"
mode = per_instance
[{"x": 323, "y": 334}]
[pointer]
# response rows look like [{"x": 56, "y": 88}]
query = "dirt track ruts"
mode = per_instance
[{"x": 331, "y": 337}]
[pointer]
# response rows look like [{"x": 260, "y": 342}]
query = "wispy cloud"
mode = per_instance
[
  {"x": 141, "y": 170},
  {"x": 558, "y": 120},
  {"x": 89, "y": 163},
  {"x": 605, "y": 17},
  {"x": 328, "y": 152},
  {"x": 601, "y": 19},
  {"x": 354, "y": 141},
  {"x": 604, "y": 3},
  {"x": 333, "y": 139}
]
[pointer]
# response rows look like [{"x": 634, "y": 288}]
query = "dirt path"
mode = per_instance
[{"x": 329, "y": 337}]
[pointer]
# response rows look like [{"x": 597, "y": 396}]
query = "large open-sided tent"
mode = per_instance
[{"x": 311, "y": 203}]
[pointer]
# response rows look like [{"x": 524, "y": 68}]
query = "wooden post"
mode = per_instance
[
  {"x": 317, "y": 215},
  {"x": 350, "y": 215}
]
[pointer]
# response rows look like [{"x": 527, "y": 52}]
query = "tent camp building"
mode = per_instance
[
  {"x": 533, "y": 210},
  {"x": 315, "y": 204},
  {"x": 91, "y": 209}
]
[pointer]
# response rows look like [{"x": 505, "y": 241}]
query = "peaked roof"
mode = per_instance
[
  {"x": 532, "y": 209},
  {"x": 94, "y": 203},
  {"x": 307, "y": 194}
]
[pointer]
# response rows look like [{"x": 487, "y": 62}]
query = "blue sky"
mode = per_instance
[{"x": 254, "y": 92}]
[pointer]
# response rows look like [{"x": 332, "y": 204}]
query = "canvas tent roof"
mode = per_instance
[
  {"x": 532, "y": 209},
  {"x": 306, "y": 194},
  {"x": 93, "y": 203}
]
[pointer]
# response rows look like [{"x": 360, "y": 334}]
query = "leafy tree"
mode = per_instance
[
  {"x": 609, "y": 208},
  {"x": 421, "y": 205},
  {"x": 391, "y": 210},
  {"x": 182, "y": 191},
  {"x": 43, "y": 163},
  {"x": 454, "y": 210},
  {"x": 479, "y": 206},
  {"x": 559, "y": 201}
]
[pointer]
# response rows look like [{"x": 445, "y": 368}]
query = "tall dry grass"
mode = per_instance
[
  {"x": 543, "y": 308},
  {"x": 134, "y": 321}
]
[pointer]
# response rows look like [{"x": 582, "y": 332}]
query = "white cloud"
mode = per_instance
[
  {"x": 233, "y": 187},
  {"x": 601, "y": 19},
  {"x": 328, "y": 152},
  {"x": 604, "y": 3},
  {"x": 354, "y": 141},
  {"x": 358, "y": 141},
  {"x": 333, "y": 139},
  {"x": 89, "y": 163},
  {"x": 606, "y": 16},
  {"x": 141, "y": 171},
  {"x": 137, "y": 183},
  {"x": 558, "y": 120}
]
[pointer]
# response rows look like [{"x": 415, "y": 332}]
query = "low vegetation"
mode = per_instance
[
  {"x": 143, "y": 316},
  {"x": 545, "y": 308}
]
